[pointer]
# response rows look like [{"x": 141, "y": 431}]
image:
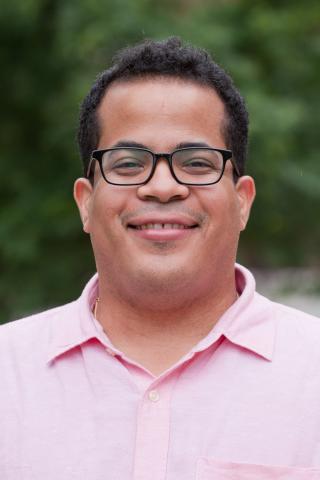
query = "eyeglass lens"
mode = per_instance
[{"x": 132, "y": 166}]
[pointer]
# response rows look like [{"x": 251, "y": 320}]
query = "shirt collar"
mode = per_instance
[
  {"x": 74, "y": 324},
  {"x": 248, "y": 323}
]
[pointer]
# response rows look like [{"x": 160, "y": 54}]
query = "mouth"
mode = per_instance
[
  {"x": 171, "y": 228},
  {"x": 162, "y": 226}
]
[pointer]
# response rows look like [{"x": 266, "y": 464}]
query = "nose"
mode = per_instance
[{"x": 162, "y": 187}]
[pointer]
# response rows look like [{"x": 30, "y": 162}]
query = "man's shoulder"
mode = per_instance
[
  {"x": 36, "y": 318},
  {"x": 33, "y": 328},
  {"x": 287, "y": 313},
  {"x": 296, "y": 326}
]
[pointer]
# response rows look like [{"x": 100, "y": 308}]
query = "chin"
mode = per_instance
[{"x": 165, "y": 277}]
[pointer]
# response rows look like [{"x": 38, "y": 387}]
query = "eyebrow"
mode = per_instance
[
  {"x": 193, "y": 144},
  {"x": 132, "y": 143},
  {"x": 128, "y": 144}
]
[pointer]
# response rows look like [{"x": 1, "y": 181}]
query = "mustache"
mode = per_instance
[{"x": 197, "y": 217}]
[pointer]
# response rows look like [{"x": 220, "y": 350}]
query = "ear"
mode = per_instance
[
  {"x": 82, "y": 193},
  {"x": 246, "y": 192}
]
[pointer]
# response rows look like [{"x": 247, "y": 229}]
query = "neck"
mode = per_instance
[{"x": 157, "y": 332}]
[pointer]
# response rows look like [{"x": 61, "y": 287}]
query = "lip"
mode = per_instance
[
  {"x": 183, "y": 220},
  {"x": 164, "y": 234}
]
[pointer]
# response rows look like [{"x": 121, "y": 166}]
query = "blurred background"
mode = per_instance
[{"x": 52, "y": 50}]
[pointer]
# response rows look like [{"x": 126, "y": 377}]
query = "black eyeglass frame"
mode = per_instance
[{"x": 97, "y": 155}]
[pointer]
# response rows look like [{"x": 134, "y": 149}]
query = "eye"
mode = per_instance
[
  {"x": 127, "y": 163},
  {"x": 127, "y": 166},
  {"x": 199, "y": 165},
  {"x": 197, "y": 162}
]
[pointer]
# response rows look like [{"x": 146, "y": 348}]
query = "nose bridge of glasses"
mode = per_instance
[
  {"x": 166, "y": 156},
  {"x": 163, "y": 156}
]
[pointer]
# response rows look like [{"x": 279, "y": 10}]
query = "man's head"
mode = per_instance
[
  {"x": 168, "y": 58},
  {"x": 164, "y": 240}
]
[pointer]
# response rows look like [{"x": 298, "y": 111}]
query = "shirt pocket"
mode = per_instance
[{"x": 212, "y": 469}]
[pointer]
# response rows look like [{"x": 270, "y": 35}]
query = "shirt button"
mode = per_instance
[{"x": 154, "y": 396}]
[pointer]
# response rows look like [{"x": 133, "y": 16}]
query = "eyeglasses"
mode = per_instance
[{"x": 136, "y": 166}]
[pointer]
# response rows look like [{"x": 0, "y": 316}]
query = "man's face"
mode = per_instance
[{"x": 126, "y": 224}]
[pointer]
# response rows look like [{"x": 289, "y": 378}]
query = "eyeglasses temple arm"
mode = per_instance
[
  {"x": 235, "y": 166},
  {"x": 88, "y": 172}
]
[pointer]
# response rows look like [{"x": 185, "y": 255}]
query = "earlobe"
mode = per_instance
[
  {"x": 82, "y": 193},
  {"x": 246, "y": 193}
]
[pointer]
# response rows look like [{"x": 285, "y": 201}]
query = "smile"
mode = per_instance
[{"x": 161, "y": 226}]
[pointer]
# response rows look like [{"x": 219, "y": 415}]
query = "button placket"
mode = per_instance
[
  {"x": 153, "y": 428},
  {"x": 153, "y": 395}
]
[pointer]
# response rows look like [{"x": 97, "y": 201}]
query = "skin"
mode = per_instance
[{"x": 158, "y": 298}]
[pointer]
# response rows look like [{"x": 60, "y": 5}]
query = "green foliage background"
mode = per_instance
[{"x": 51, "y": 50}]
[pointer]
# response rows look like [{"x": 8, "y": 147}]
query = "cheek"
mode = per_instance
[
  {"x": 232, "y": 216},
  {"x": 223, "y": 211},
  {"x": 107, "y": 206}
]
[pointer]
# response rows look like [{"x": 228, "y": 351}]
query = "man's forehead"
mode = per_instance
[
  {"x": 160, "y": 114},
  {"x": 126, "y": 143},
  {"x": 163, "y": 89}
]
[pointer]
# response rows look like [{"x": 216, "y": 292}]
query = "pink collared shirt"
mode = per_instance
[{"x": 244, "y": 403}]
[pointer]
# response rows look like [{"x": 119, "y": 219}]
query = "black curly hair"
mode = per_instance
[{"x": 170, "y": 58}]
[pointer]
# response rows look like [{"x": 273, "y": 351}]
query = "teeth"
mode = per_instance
[{"x": 160, "y": 226}]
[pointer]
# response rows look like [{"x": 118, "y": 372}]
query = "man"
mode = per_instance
[{"x": 170, "y": 365}]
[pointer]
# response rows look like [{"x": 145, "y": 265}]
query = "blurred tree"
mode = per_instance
[{"x": 50, "y": 53}]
